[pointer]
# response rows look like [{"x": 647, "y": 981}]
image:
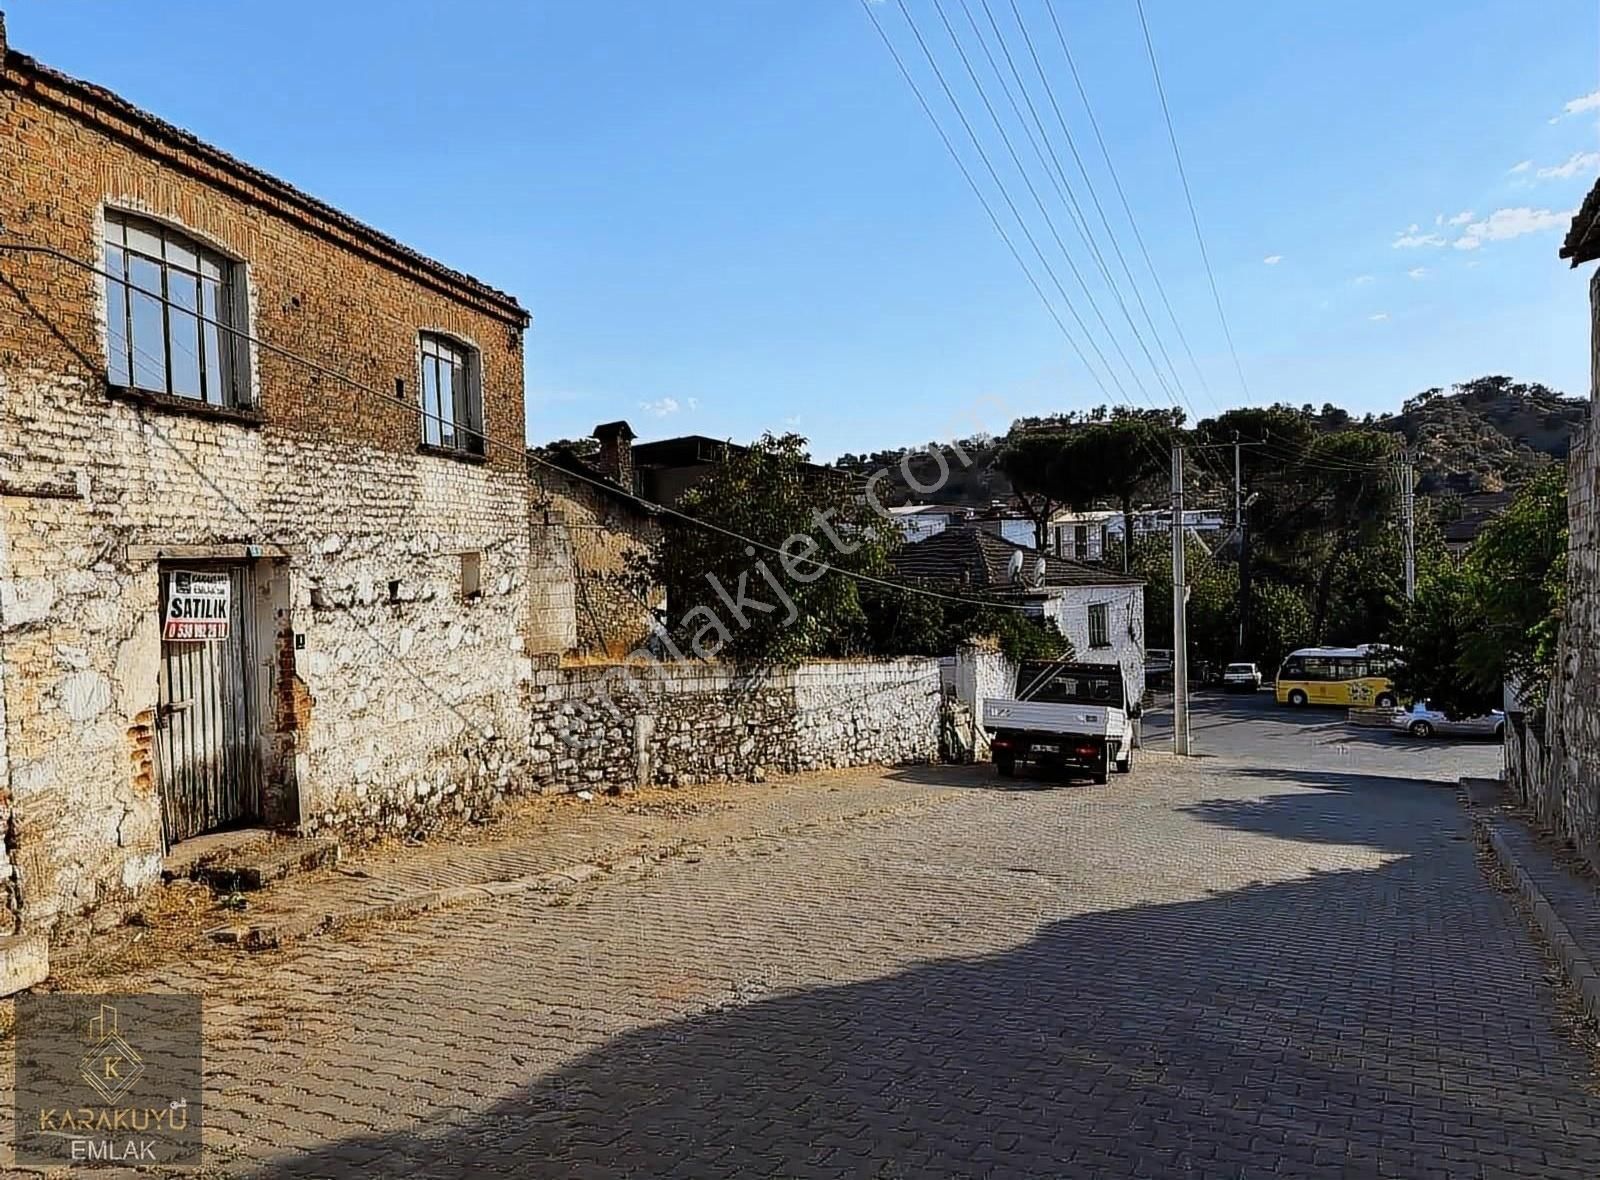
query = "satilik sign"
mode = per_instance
[{"x": 197, "y": 605}]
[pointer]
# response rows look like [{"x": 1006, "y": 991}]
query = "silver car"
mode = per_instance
[{"x": 1423, "y": 720}]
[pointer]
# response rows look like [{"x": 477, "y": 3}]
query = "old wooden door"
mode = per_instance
[{"x": 205, "y": 737}]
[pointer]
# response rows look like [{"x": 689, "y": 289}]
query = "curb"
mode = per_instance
[
  {"x": 258, "y": 936},
  {"x": 1580, "y": 972}
]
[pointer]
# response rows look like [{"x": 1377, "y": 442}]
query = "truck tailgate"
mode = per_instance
[{"x": 1047, "y": 717}]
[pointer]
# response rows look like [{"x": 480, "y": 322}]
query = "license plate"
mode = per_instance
[{"x": 1046, "y": 748}]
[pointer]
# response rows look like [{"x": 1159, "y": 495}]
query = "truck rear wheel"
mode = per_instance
[
  {"x": 1100, "y": 777},
  {"x": 1006, "y": 766},
  {"x": 1125, "y": 763}
]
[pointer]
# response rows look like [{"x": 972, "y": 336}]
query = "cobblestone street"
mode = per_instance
[{"x": 1206, "y": 969}]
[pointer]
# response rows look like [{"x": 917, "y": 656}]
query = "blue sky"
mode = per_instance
[{"x": 730, "y": 215}]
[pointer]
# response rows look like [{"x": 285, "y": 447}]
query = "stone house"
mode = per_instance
[
  {"x": 589, "y": 525},
  {"x": 264, "y": 546},
  {"x": 1100, "y": 610}
]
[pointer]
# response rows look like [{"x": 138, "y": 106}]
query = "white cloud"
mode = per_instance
[
  {"x": 1576, "y": 163},
  {"x": 1586, "y": 102},
  {"x": 694, "y": 403},
  {"x": 792, "y": 421},
  {"x": 1273, "y": 259},
  {"x": 1461, "y": 218},
  {"x": 661, "y": 407},
  {"x": 1379, "y": 318},
  {"x": 1417, "y": 272},
  {"x": 1504, "y": 224},
  {"x": 1363, "y": 280},
  {"x": 1410, "y": 239},
  {"x": 1523, "y": 166}
]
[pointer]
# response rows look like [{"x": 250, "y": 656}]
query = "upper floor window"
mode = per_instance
[
  {"x": 172, "y": 309},
  {"x": 452, "y": 400}
]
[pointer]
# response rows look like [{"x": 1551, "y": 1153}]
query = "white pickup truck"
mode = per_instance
[{"x": 1070, "y": 716}]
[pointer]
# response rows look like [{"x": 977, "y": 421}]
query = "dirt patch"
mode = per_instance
[{"x": 169, "y": 924}]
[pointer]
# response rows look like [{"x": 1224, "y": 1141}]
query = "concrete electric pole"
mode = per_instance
[
  {"x": 1180, "y": 614},
  {"x": 1408, "y": 518}
]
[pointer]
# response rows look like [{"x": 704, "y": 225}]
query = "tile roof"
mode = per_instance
[{"x": 981, "y": 559}]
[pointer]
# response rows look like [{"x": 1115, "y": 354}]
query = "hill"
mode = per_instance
[
  {"x": 1486, "y": 434},
  {"x": 1480, "y": 436}
]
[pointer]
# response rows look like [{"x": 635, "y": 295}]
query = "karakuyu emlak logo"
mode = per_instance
[{"x": 111, "y": 1066}]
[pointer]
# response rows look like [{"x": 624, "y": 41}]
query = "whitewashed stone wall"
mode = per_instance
[
  {"x": 981, "y": 672},
  {"x": 392, "y": 713},
  {"x": 689, "y": 723},
  {"x": 852, "y": 713}
]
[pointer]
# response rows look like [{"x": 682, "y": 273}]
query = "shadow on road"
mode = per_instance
[{"x": 1355, "y": 1022}]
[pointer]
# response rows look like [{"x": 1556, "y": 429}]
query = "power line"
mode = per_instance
[
  {"x": 1011, "y": 150},
  {"x": 520, "y": 446},
  {"x": 1188, "y": 196},
  {"x": 1088, "y": 181},
  {"x": 988, "y": 209},
  {"x": 1005, "y": 195},
  {"x": 1064, "y": 190},
  {"x": 1122, "y": 195}
]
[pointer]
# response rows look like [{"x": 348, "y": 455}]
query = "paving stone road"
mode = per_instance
[{"x": 1205, "y": 969}]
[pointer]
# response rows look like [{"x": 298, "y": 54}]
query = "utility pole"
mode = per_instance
[
  {"x": 1180, "y": 613},
  {"x": 1238, "y": 514},
  {"x": 1408, "y": 516}
]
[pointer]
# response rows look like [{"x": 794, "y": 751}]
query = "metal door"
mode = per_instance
[{"x": 204, "y": 733}]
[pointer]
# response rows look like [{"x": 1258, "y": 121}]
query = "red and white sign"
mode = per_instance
[{"x": 197, "y": 605}]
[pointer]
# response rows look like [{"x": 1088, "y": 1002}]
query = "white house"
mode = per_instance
[
  {"x": 1085, "y": 536},
  {"x": 1100, "y": 610},
  {"x": 918, "y": 522}
]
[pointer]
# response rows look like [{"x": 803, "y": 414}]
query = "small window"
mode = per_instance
[
  {"x": 452, "y": 401},
  {"x": 173, "y": 314},
  {"x": 1099, "y": 625},
  {"x": 1080, "y": 541},
  {"x": 471, "y": 576}
]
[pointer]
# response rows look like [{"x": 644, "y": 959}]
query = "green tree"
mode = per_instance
[
  {"x": 1519, "y": 570},
  {"x": 728, "y": 599},
  {"x": 1495, "y": 619},
  {"x": 1120, "y": 460},
  {"x": 1281, "y": 622},
  {"x": 1026, "y": 460},
  {"x": 1273, "y": 442}
]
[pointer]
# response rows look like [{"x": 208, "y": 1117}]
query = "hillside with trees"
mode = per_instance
[
  {"x": 1319, "y": 557},
  {"x": 1486, "y": 434}
]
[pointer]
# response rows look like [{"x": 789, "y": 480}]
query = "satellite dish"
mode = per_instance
[
  {"x": 1014, "y": 567},
  {"x": 1039, "y": 568}
]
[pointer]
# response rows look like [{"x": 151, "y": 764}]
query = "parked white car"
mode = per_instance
[
  {"x": 1423, "y": 720},
  {"x": 1241, "y": 678},
  {"x": 1158, "y": 662}
]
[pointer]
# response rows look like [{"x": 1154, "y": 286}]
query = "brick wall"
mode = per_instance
[{"x": 386, "y": 697}]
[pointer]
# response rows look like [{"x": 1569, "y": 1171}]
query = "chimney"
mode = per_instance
[{"x": 616, "y": 452}]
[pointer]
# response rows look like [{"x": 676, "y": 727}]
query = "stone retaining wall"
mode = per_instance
[{"x": 619, "y": 726}]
